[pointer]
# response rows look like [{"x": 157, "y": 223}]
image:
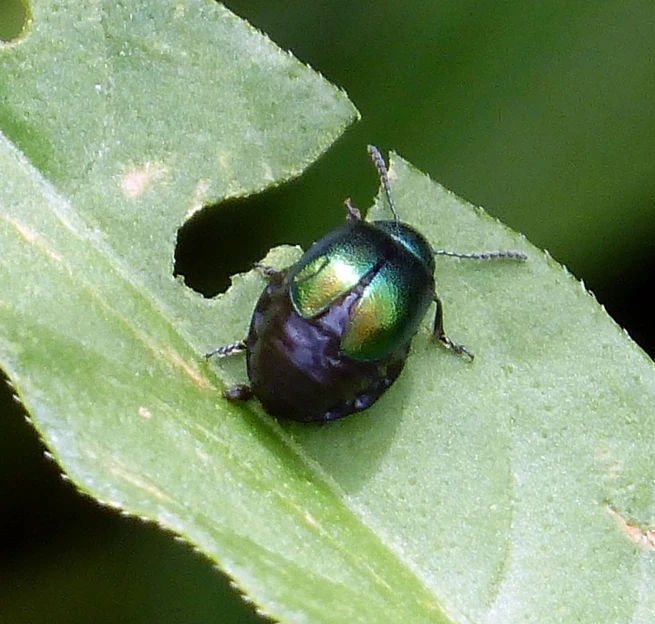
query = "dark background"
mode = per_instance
[{"x": 540, "y": 112}]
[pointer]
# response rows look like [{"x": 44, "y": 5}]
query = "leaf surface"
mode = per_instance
[{"x": 515, "y": 488}]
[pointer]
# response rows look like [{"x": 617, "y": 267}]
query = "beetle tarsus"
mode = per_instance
[
  {"x": 232, "y": 349},
  {"x": 439, "y": 333},
  {"x": 455, "y": 347},
  {"x": 268, "y": 271},
  {"x": 239, "y": 392},
  {"x": 353, "y": 213}
]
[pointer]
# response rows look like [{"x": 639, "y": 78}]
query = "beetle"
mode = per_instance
[{"x": 330, "y": 334}]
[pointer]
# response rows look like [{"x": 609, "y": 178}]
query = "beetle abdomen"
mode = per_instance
[{"x": 296, "y": 366}]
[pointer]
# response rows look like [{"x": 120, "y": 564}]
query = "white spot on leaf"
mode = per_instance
[{"x": 137, "y": 180}]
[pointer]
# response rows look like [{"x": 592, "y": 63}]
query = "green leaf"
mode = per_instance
[
  {"x": 457, "y": 492},
  {"x": 515, "y": 488},
  {"x": 140, "y": 113}
]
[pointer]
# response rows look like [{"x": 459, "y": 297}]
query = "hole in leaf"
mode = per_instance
[
  {"x": 225, "y": 239},
  {"x": 14, "y": 18},
  {"x": 228, "y": 238}
]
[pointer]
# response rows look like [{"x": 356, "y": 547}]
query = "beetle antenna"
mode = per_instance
[
  {"x": 484, "y": 255},
  {"x": 380, "y": 165}
]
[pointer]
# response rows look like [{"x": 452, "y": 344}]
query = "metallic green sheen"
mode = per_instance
[
  {"x": 334, "y": 266},
  {"x": 389, "y": 263},
  {"x": 390, "y": 309},
  {"x": 412, "y": 240}
]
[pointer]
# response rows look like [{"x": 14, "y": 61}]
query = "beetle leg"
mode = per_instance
[
  {"x": 353, "y": 213},
  {"x": 224, "y": 351},
  {"x": 439, "y": 333},
  {"x": 240, "y": 392},
  {"x": 266, "y": 270}
]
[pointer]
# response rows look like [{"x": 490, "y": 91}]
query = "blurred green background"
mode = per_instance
[{"x": 540, "y": 112}]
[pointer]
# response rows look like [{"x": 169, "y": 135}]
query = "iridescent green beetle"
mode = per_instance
[{"x": 331, "y": 334}]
